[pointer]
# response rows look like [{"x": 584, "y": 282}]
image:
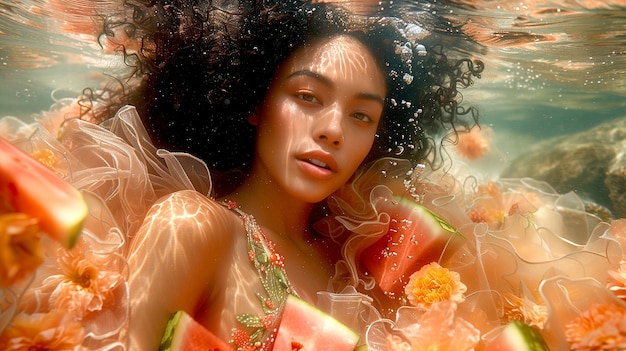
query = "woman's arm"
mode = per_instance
[{"x": 174, "y": 258}]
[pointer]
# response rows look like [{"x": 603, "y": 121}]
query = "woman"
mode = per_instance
[
  {"x": 318, "y": 92},
  {"x": 315, "y": 127},
  {"x": 296, "y": 97}
]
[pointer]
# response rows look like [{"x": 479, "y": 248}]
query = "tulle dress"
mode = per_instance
[
  {"x": 149, "y": 211},
  {"x": 520, "y": 250},
  {"x": 121, "y": 175},
  {"x": 139, "y": 199}
]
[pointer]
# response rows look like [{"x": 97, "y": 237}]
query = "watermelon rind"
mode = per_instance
[
  {"x": 531, "y": 337},
  {"x": 312, "y": 328},
  {"x": 416, "y": 236},
  {"x": 170, "y": 331},
  {"x": 183, "y": 333},
  {"x": 518, "y": 336},
  {"x": 441, "y": 222},
  {"x": 29, "y": 187}
]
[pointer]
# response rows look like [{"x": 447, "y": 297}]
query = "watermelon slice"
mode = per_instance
[
  {"x": 517, "y": 336},
  {"x": 29, "y": 187},
  {"x": 183, "y": 333},
  {"x": 416, "y": 237},
  {"x": 303, "y": 327}
]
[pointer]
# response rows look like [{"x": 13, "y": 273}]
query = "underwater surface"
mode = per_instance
[
  {"x": 553, "y": 68},
  {"x": 551, "y": 97}
]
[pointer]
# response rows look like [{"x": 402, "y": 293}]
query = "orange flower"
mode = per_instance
[
  {"x": 81, "y": 282},
  {"x": 491, "y": 206},
  {"x": 517, "y": 308},
  {"x": 20, "y": 247},
  {"x": 61, "y": 111},
  {"x": 432, "y": 284},
  {"x": 601, "y": 327},
  {"x": 617, "y": 280},
  {"x": 48, "y": 158},
  {"x": 488, "y": 206},
  {"x": 437, "y": 330},
  {"x": 474, "y": 143},
  {"x": 52, "y": 331}
]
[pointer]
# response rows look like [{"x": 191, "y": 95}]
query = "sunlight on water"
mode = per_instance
[
  {"x": 552, "y": 68},
  {"x": 42, "y": 54},
  {"x": 533, "y": 193}
]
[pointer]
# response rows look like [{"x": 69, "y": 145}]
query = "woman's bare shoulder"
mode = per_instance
[
  {"x": 190, "y": 218},
  {"x": 177, "y": 255},
  {"x": 190, "y": 198},
  {"x": 188, "y": 205}
]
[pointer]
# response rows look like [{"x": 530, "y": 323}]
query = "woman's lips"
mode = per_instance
[
  {"x": 321, "y": 160},
  {"x": 318, "y": 163}
]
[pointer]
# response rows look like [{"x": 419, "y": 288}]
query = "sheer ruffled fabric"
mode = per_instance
[
  {"x": 361, "y": 215},
  {"x": 525, "y": 253},
  {"x": 120, "y": 174},
  {"x": 522, "y": 250}
]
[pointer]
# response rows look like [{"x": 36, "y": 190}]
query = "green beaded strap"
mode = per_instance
[{"x": 270, "y": 266}]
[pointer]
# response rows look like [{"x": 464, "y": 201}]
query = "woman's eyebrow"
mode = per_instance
[
  {"x": 326, "y": 81},
  {"x": 305, "y": 72},
  {"x": 374, "y": 97}
]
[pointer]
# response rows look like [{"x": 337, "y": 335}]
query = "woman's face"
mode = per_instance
[{"x": 319, "y": 118}]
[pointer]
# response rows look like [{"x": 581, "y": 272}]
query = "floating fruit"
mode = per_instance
[
  {"x": 416, "y": 236},
  {"x": 303, "y": 327},
  {"x": 517, "y": 336},
  {"x": 28, "y": 187},
  {"x": 183, "y": 333}
]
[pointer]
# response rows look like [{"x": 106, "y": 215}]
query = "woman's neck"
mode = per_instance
[
  {"x": 273, "y": 209},
  {"x": 285, "y": 221}
]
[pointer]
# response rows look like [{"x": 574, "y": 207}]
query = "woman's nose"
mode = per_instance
[{"x": 328, "y": 127}]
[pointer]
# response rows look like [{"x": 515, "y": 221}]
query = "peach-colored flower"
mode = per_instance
[
  {"x": 617, "y": 280},
  {"x": 53, "y": 331},
  {"x": 60, "y": 112},
  {"x": 488, "y": 206},
  {"x": 522, "y": 201},
  {"x": 474, "y": 143},
  {"x": 518, "y": 308},
  {"x": 48, "y": 159},
  {"x": 601, "y": 327},
  {"x": 437, "y": 330},
  {"x": 20, "y": 247},
  {"x": 485, "y": 214},
  {"x": 491, "y": 206},
  {"x": 432, "y": 284},
  {"x": 84, "y": 282}
]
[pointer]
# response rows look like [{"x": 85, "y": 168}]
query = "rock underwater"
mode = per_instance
[{"x": 591, "y": 163}]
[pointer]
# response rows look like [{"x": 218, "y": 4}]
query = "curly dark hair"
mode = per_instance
[{"x": 206, "y": 65}]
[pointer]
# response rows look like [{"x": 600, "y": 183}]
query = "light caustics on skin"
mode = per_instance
[
  {"x": 169, "y": 238},
  {"x": 318, "y": 122}
]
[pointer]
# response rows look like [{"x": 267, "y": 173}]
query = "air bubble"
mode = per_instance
[
  {"x": 421, "y": 50},
  {"x": 408, "y": 79}
]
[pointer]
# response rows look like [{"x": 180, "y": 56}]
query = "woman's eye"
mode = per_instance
[
  {"x": 308, "y": 98},
  {"x": 362, "y": 117}
]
